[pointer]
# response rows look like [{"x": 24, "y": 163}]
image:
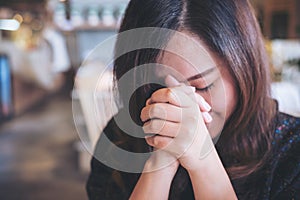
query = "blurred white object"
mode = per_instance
[
  {"x": 76, "y": 16},
  {"x": 32, "y": 66},
  {"x": 60, "y": 59},
  {"x": 42, "y": 65},
  {"x": 291, "y": 74},
  {"x": 39, "y": 69},
  {"x": 108, "y": 18},
  {"x": 94, "y": 87},
  {"x": 59, "y": 16},
  {"x": 288, "y": 96},
  {"x": 9, "y": 24},
  {"x": 16, "y": 56},
  {"x": 283, "y": 51},
  {"x": 93, "y": 16}
]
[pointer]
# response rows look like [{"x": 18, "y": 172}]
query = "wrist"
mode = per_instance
[
  {"x": 206, "y": 164},
  {"x": 201, "y": 155},
  {"x": 162, "y": 162},
  {"x": 156, "y": 179}
]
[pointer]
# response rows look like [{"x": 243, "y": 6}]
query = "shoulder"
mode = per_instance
[
  {"x": 287, "y": 132},
  {"x": 284, "y": 171}
]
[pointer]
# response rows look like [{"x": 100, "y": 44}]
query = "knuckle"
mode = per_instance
[
  {"x": 155, "y": 140},
  {"x": 169, "y": 93},
  {"x": 143, "y": 110},
  {"x": 152, "y": 124},
  {"x": 156, "y": 110},
  {"x": 149, "y": 141},
  {"x": 153, "y": 111},
  {"x": 158, "y": 126},
  {"x": 142, "y": 115},
  {"x": 152, "y": 127},
  {"x": 145, "y": 129},
  {"x": 159, "y": 142}
]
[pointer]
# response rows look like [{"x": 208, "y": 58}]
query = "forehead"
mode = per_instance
[{"x": 185, "y": 54}]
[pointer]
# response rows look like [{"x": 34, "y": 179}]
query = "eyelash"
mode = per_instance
[{"x": 206, "y": 89}]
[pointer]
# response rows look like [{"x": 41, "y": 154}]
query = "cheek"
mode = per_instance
[
  {"x": 217, "y": 98},
  {"x": 222, "y": 98},
  {"x": 223, "y": 101},
  {"x": 231, "y": 98}
]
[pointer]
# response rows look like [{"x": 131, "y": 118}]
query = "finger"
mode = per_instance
[
  {"x": 187, "y": 89},
  {"x": 161, "y": 127},
  {"x": 204, "y": 106},
  {"x": 148, "y": 102},
  {"x": 162, "y": 111},
  {"x": 175, "y": 96},
  {"x": 158, "y": 141},
  {"x": 207, "y": 117},
  {"x": 171, "y": 81}
]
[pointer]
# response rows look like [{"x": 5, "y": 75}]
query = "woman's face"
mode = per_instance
[{"x": 190, "y": 61}]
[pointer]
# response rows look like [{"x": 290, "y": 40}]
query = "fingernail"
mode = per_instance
[
  {"x": 193, "y": 88},
  {"x": 207, "y": 117},
  {"x": 205, "y": 104}
]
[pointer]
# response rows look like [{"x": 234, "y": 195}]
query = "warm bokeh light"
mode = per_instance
[{"x": 18, "y": 17}]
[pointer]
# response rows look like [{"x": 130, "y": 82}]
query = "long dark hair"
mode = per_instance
[{"x": 230, "y": 30}]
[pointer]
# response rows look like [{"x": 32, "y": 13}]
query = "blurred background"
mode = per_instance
[{"x": 44, "y": 43}]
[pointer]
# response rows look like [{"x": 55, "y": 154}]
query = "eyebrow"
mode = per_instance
[{"x": 201, "y": 74}]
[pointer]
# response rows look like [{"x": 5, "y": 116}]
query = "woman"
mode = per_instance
[{"x": 255, "y": 156}]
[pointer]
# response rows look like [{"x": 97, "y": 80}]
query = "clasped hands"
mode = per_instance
[{"x": 175, "y": 121}]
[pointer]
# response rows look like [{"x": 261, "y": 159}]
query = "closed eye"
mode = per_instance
[{"x": 205, "y": 89}]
